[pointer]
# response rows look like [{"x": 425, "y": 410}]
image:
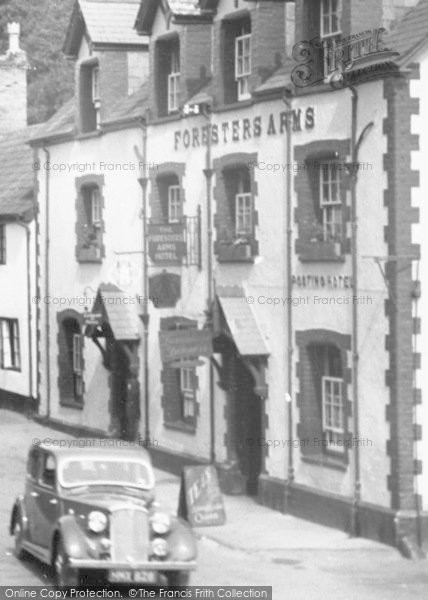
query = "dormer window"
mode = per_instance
[
  {"x": 243, "y": 63},
  {"x": 236, "y": 59},
  {"x": 95, "y": 85},
  {"x": 89, "y": 91},
  {"x": 174, "y": 82},
  {"x": 330, "y": 18},
  {"x": 167, "y": 68}
]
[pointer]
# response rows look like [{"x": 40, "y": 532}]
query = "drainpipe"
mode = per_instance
[
  {"x": 29, "y": 311},
  {"x": 47, "y": 274},
  {"x": 288, "y": 294},
  {"x": 145, "y": 316},
  {"x": 354, "y": 240},
  {"x": 208, "y": 172}
]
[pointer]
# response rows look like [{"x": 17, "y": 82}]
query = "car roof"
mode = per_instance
[{"x": 104, "y": 448}]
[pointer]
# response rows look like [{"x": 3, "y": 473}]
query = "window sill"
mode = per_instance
[
  {"x": 328, "y": 461},
  {"x": 229, "y": 253},
  {"x": 181, "y": 426},
  {"x": 71, "y": 403},
  {"x": 320, "y": 252},
  {"x": 166, "y": 119},
  {"x": 15, "y": 369}
]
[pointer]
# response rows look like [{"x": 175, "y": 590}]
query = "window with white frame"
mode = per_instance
[
  {"x": 10, "y": 357},
  {"x": 95, "y": 84},
  {"x": 175, "y": 211},
  {"x": 332, "y": 412},
  {"x": 2, "y": 244},
  {"x": 95, "y": 207},
  {"x": 330, "y": 18},
  {"x": 330, "y": 201},
  {"x": 174, "y": 81},
  {"x": 243, "y": 214},
  {"x": 243, "y": 63},
  {"x": 78, "y": 364},
  {"x": 188, "y": 396}
]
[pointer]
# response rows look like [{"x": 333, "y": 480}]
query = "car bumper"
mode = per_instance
[{"x": 153, "y": 565}]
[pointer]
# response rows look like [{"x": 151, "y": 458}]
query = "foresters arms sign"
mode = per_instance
[
  {"x": 167, "y": 243},
  {"x": 340, "y": 61},
  {"x": 245, "y": 129},
  {"x": 185, "y": 344}
]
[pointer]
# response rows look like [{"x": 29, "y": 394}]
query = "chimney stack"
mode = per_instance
[
  {"x": 13, "y": 84},
  {"x": 13, "y": 29}
]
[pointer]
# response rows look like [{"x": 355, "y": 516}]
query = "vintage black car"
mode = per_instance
[{"x": 91, "y": 512}]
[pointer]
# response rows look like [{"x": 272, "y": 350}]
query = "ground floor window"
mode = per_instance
[
  {"x": 10, "y": 356},
  {"x": 70, "y": 362}
]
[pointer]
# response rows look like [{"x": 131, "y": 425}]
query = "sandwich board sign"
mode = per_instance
[{"x": 201, "y": 501}]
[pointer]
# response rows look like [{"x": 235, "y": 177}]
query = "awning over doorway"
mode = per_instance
[
  {"x": 243, "y": 326},
  {"x": 118, "y": 311}
]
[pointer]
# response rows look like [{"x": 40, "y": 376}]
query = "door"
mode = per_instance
[
  {"x": 119, "y": 391},
  {"x": 248, "y": 423},
  {"x": 46, "y": 503}
]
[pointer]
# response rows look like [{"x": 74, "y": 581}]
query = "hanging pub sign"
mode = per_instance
[
  {"x": 166, "y": 288},
  {"x": 200, "y": 501},
  {"x": 185, "y": 343},
  {"x": 167, "y": 243}
]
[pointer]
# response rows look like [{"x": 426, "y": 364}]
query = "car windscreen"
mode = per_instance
[{"x": 118, "y": 472}]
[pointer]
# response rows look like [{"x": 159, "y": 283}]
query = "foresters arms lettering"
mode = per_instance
[
  {"x": 332, "y": 60},
  {"x": 244, "y": 129}
]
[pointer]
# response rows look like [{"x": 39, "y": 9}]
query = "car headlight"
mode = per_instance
[
  {"x": 161, "y": 523},
  {"x": 160, "y": 547},
  {"x": 97, "y": 521}
]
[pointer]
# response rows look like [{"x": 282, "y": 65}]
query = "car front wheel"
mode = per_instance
[
  {"x": 65, "y": 576},
  {"x": 18, "y": 532}
]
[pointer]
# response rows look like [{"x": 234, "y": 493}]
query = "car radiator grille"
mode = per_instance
[{"x": 129, "y": 533}]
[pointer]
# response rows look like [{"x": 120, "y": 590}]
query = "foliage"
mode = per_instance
[{"x": 43, "y": 27}]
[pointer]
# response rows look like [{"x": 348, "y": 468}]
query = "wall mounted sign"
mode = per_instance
[
  {"x": 167, "y": 243},
  {"x": 94, "y": 319},
  {"x": 200, "y": 501},
  {"x": 244, "y": 129},
  {"x": 185, "y": 343},
  {"x": 322, "y": 281},
  {"x": 166, "y": 288}
]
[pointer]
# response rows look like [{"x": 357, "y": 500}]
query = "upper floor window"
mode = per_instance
[
  {"x": 175, "y": 210},
  {"x": 10, "y": 357},
  {"x": 89, "y": 228},
  {"x": 2, "y": 244},
  {"x": 243, "y": 62},
  {"x": 238, "y": 184},
  {"x": 236, "y": 61},
  {"x": 174, "y": 81},
  {"x": 167, "y": 70},
  {"x": 330, "y": 18},
  {"x": 330, "y": 202},
  {"x": 89, "y": 93}
]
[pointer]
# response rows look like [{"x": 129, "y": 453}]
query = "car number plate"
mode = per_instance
[{"x": 131, "y": 576}]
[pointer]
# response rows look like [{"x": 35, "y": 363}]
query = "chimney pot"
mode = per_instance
[{"x": 13, "y": 30}]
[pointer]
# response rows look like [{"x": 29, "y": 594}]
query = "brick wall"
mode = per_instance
[
  {"x": 113, "y": 79},
  {"x": 195, "y": 57},
  {"x": 398, "y": 308}
]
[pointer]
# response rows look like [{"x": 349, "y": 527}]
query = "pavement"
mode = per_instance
[{"x": 256, "y": 546}]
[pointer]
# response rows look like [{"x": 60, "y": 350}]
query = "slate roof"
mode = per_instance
[
  {"x": 410, "y": 32},
  {"x": 16, "y": 174},
  {"x": 120, "y": 314},
  {"x": 106, "y": 22},
  {"x": 243, "y": 326},
  {"x": 131, "y": 107},
  {"x": 177, "y": 8}
]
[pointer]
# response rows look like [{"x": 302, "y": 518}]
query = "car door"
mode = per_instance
[
  {"x": 32, "y": 492},
  {"x": 46, "y": 502}
]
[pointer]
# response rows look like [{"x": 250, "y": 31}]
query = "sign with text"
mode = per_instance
[
  {"x": 185, "y": 343},
  {"x": 167, "y": 243},
  {"x": 201, "y": 501},
  {"x": 92, "y": 318}
]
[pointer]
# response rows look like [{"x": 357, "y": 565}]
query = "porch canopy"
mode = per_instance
[{"x": 114, "y": 308}]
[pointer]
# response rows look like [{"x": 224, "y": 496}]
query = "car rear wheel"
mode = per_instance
[
  {"x": 180, "y": 578},
  {"x": 18, "y": 532},
  {"x": 65, "y": 576}
]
